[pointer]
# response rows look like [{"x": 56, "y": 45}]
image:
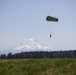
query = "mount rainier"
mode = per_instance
[{"x": 27, "y": 45}]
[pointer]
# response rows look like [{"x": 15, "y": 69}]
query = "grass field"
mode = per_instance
[{"x": 38, "y": 67}]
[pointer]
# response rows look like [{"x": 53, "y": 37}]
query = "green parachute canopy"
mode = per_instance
[{"x": 50, "y": 18}]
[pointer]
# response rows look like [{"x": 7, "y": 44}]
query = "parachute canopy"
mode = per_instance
[{"x": 50, "y": 18}]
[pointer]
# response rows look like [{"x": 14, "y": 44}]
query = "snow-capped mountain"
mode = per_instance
[
  {"x": 27, "y": 45},
  {"x": 30, "y": 44}
]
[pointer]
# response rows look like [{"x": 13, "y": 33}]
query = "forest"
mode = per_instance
[{"x": 40, "y": 54}]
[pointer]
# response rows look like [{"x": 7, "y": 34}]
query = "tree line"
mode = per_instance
[{"x": 40, "y": 54}]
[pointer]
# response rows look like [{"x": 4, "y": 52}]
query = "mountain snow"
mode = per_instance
[
  {"x": 30, "y": 44},
  {"x": 26, "y": 46}
]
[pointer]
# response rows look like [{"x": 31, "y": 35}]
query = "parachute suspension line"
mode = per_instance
[{"x": 50, "y": 29}]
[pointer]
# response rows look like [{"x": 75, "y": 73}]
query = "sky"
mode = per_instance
[{"x": 21, "y": 19}]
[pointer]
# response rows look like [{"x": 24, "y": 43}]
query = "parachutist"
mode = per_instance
[{"x": 50, "y": 35}]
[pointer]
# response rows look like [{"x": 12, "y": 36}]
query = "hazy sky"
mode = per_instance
[{"x": 20, "y": 19}]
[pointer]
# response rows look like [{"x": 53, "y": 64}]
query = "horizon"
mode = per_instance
[{"x": 28, "y": 44}]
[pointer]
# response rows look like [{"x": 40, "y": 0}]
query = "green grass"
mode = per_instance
[{"x": 38, "y": 67}]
